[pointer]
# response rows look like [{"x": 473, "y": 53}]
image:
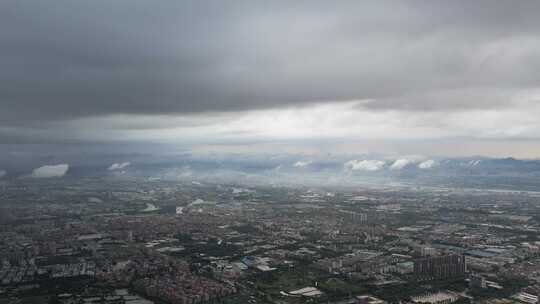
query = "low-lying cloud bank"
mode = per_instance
[
  {"x": 49, "y": 171},
  {"x": 2, "y": 173},
  {"x": 428, "y": 164},
  {"x": 119, "y": 166},
  {"x": 364, "y": 165},
  {"x": 302, "y": 164},
  {"x": 400, "y": 164},
  {"x": 396, "y": 165}
]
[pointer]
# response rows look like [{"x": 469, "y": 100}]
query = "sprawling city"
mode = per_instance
[
  {"x": 269, "y": 151},
  {"x": 135, "y": 240}
]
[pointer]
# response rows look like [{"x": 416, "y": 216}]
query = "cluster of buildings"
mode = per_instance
[
  {"x": 203, "y": 243},
  {"x": 32, "y": 273}
]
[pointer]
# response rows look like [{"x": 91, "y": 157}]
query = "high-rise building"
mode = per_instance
[
  {"x": 428, "y": 251},
  {"x": 440, "y": 267}
]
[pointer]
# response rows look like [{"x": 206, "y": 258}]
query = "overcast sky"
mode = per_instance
[{"x": 434, "y": 77}]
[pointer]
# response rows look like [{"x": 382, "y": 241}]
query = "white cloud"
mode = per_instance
[
  {"x": 364, "y": 165},
  {"x": 50, "y": 171},
  {"x": 302, "y": 163},
  {"x": 3, "y": 173},
  {"x": 118, "y": 166},
  {"x": 472, "y": 163},
  {"x": 339, "y": 120},
  {"x": 423, "y": 132},
  {"x": 400, "y": 164},
  {"x": 428, "y": 164}
]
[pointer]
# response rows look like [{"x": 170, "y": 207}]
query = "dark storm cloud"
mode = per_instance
[{"x": 73, "y": 59}]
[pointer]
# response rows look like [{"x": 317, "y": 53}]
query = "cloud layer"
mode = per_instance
[
  {"x": 365, "y": 165},
  {"x": 428, "y": 164},
  {"x": 193, "y": 56},
  {"x": 302, "y": 163},
  {"x": 119, "y": 166},
  {"x": 49, "y": 171},
  {"x": 211, "y": 71},
  {"x": 400, "y": 164}
]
